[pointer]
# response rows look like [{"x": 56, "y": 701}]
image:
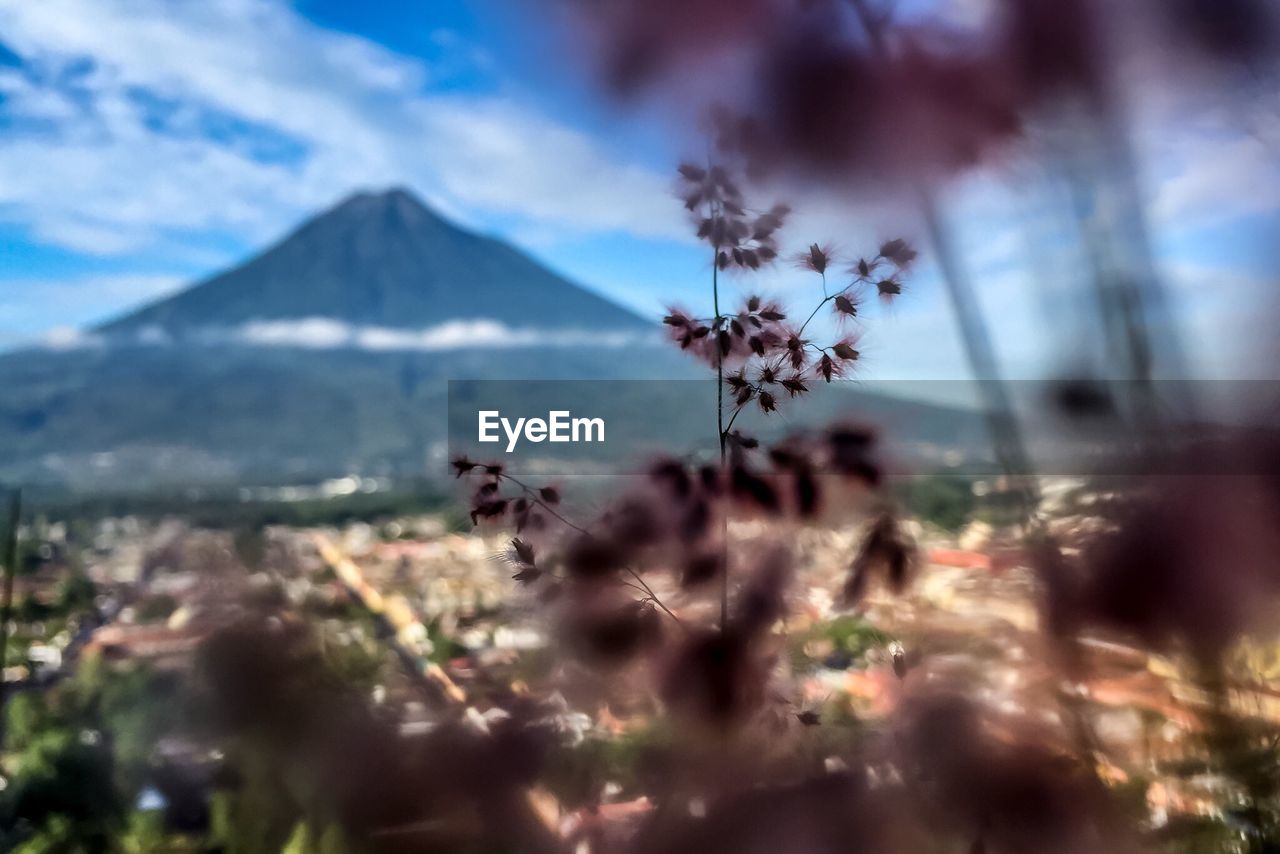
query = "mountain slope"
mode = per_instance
[
  {"x": 111, "y": 418},
  {"x": 116, "y": 417},
  {"x": 130, "y": 409},
  {"x": 383, "y": 260}
]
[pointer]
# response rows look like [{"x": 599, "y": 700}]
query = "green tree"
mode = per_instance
[{"x": 64, "y": 793}]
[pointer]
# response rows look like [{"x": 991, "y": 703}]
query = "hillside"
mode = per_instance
[{"x": 178, "y": 392}]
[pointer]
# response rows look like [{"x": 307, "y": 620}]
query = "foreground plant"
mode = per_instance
[{"x": 600, "y": 577}]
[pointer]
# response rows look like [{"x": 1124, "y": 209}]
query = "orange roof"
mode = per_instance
[{"x": 959, "y": 558}]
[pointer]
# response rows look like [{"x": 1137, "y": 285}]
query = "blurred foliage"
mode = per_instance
[
  {"x": 155, "y": 608},
  {"x": 577, "y": 774},
  {"x": 946, "y": 501},
  {"x": 329, "y": 839},
  {"x": 258, "y": 815},
  {"x": 1257, "y": 658},
  {"x": 77, "y": 757},
  {"x": 357, "y": 661},
  {"x": 146, "y": 834},
  {"x": 63, "y": 796},
  {"x": 80, "y": 753},
  {"x": 76, "y": 593},
  {"x": 444, "y": 647},
  {"x": 840, "y": 643}
]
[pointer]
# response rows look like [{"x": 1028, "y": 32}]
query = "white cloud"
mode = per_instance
[
  {"x": 319, "y": 333},
  {"x": 1219, "y": 180},
  {"x": 62, "y": 338},
  {"x": 109, "y": 178},
  {"x": 323, "y": 333},
  {"x": 1205, "y": 150}
]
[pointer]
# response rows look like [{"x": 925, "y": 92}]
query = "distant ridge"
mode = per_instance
[
  {"x": 328, "y": 352},
  {"x": 186, "y": 391},
  {"x": 382, "y": 260}
]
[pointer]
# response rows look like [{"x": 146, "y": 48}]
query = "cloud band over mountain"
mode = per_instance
[{"x": 323, "y": 333}]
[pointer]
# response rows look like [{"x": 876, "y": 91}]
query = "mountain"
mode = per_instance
[
  {"x": 382, "y": 260},
  {"x": 179, "y": 393},
  {"x": 175, "y": 392}
]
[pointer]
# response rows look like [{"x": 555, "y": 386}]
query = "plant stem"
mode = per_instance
[
  {"x": 817, "y": 309},
  {"x": 715, "y": 296},
  {"x": 645, "y": 588},
  {"x": 533, "y": 495},
  {"x": 10, "y": 560},
  {"x": 720, "y": 431},
  {"x": 642, "y": 586},
  {"x": 732, "y": 418}
]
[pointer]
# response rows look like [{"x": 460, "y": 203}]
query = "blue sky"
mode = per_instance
[{"x": 148, "y": 143}]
